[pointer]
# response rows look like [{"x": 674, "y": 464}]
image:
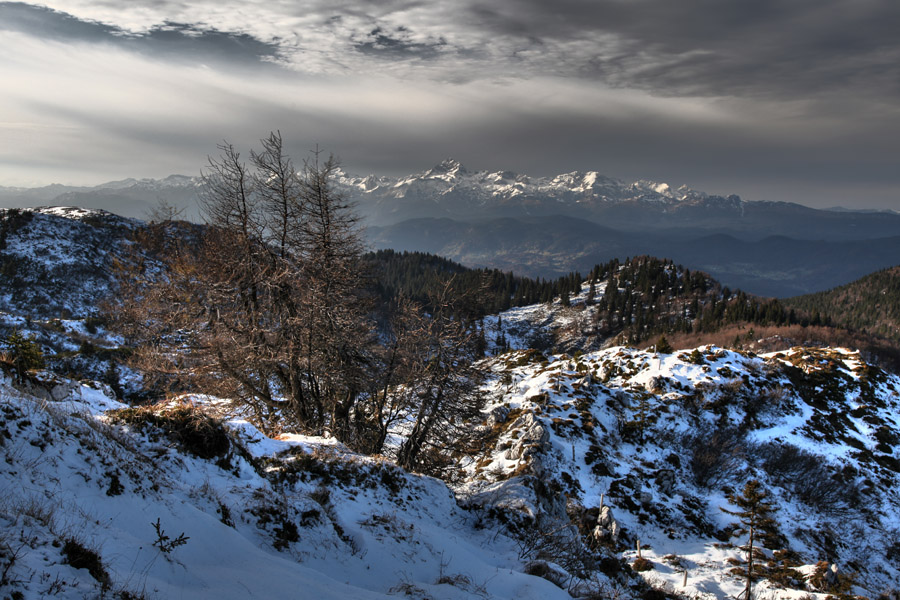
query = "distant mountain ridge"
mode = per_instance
[
  {"x": 450, "y": 179},
  {"x": 548, "y": 226},
  {"x": 551, "y": 246},
  {"x": 449, "y": 190}
]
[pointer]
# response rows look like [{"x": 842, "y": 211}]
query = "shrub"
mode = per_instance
[
  {"x": 610, "y": 566},
  {"x": 653, "y": 594},
  {"x": 92, "y": 323},
  {"x": 285, "y": 533},
  {"x": 826, "y": 580},
  {"x": 23, "y": 353},
  {"x": 225, "y": 514},
  {"x": 321, "y": 496},
  {"x": 807, "y": 476},
  {"x": 86, "y": 348},
  {"x": 82, "y": 557},
  {"x": 195, "y": 431},
  {"x": 716, "y": 458},
  {"x": 115, "y": 485},
  {"x": 642, "y": 564}
]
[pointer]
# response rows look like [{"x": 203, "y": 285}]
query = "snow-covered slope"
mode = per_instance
[
  {"x": 637, "y": 446},
  {"x": 58, "y": 262},
  {"x": 62, "y": 262},
  {"x": 93, "y": 505},
  {"x": 606, "y": 449}
]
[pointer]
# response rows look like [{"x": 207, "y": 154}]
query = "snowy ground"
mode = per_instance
[
  {"x": 352, "y": 527},
  {"x": 274, "y": 516},
  {"x": 623, "y": 429},
  {"x": 627, "y": 445}
]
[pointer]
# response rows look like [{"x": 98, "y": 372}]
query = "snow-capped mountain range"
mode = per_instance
[
  {"x": 385, "y": 199},
  {"x": 548, "y": 226},
  {"x": 449, "y": 190},
  {"x": 450, "y": 177}
]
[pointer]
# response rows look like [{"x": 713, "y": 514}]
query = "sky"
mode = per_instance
[{"x": 786, "y": 100}]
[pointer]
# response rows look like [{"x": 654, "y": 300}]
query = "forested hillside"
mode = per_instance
[
  {"x": 871, "y": 304},
  {"x": 642, "y": 299},
  {"x": 645, "y": 295}
]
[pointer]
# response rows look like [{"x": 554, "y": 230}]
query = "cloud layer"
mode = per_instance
[{"x": 772, "y": 100}]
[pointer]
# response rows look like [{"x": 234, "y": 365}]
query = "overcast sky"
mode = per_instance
[{"x": 794, "y": 100}]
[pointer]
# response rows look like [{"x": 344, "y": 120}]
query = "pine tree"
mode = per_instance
[
  {"x": 24, "y": 353},
  {"x": 642, "y": 417},
  {"x": 592, "y": 293},
  {"x": 663, "y": 346},
  {"x": 755, "y": 519},
  {"x": 481, "y": 341}
]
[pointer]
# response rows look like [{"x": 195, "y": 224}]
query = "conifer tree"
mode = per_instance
[
  {"x": 663, "y": 346},
  {"x": 481, "y": 341},
  {"x": 755, "y": 520},
  {"x": 592, "y": 293},
  {"x": 24, "y": 353},
  {"x": 642, "y": 417}
]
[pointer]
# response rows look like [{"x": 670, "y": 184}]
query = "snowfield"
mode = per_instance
[
  {"x": 304, "y": 515},
  {"x": 354, "y": 528},
  {"x": 645, "y": 447}
]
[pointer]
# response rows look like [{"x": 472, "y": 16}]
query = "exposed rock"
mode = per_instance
[
  {"x": 497, "y": 415},
  {"x": 533, "y": 438},
  {"x": 607, "y": 528},
  {"x": 665, "y": 481}
]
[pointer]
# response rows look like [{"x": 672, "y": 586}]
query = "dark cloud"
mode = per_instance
[
  {"x": 770, "y": 99},
  {"x": 768, "y": 48},
  {"x": 396, "y": 45},
  {"x": 46, "y": 23},
  {"x": 761, "y": 48},
  {"x": 181, "y": 42}
]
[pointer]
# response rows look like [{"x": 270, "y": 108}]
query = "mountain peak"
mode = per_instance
[{"x": 449, "y": 166}]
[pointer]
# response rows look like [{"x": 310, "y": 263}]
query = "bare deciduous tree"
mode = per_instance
[
  {"x": 265, "y": 305},
  {"x": 445, "y": 390}
]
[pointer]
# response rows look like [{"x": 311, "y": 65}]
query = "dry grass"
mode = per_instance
[{"x": 772, "y": 339}]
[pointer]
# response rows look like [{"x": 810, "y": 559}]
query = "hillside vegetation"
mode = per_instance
[
  {"x": 870, "y": 304},
  {"x": 641, "y": 299}
]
